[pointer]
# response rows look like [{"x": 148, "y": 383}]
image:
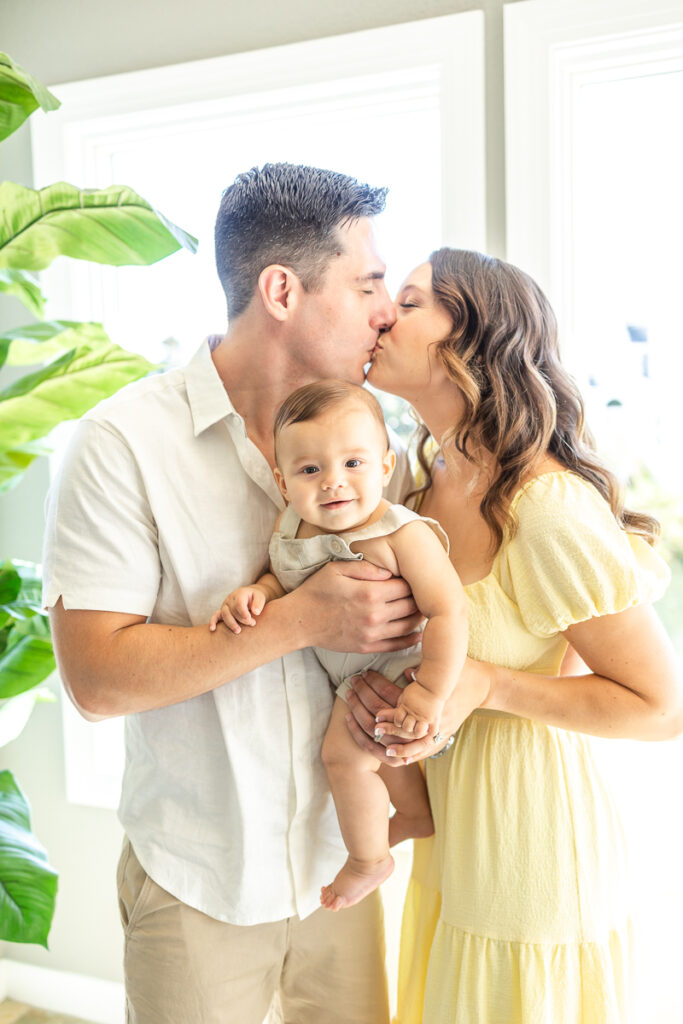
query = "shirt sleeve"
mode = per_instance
[
  {"x": 101, "y": 547},
  {"x": 570, "y": 561}
]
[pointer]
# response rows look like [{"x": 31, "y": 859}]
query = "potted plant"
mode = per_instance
[{"x": 71, "y": 366}]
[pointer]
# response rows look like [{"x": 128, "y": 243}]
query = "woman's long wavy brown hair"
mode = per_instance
[{"x": 520, "y": 402}]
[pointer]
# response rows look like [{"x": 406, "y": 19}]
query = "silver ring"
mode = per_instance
[{"x": 437, "y": 737}]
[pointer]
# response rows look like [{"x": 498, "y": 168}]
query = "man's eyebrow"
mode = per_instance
[{"x": 376, "y": 275}]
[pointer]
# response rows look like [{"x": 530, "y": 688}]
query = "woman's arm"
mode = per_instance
[{"x": 634, "y": 689}]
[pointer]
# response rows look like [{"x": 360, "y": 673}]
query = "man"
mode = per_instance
[{"x": 166, "y": 501}]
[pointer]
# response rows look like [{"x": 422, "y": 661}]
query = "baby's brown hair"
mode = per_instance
[{"x": 311, "y": 400}]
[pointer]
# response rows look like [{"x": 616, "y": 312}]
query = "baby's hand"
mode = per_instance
[
  {"x": 416, "y": 715},
  {"x": 241, "y": 606}
]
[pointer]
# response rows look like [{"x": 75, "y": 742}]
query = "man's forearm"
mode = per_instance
[{"x": 142, "y": 666}]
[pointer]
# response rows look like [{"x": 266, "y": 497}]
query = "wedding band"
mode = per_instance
[{"x": 437, "y": 737}]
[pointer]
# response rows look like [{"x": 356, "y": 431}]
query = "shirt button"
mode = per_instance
[{"x": 336, "y": 546}]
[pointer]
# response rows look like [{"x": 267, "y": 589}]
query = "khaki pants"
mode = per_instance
[{"x": 182, "y": 967}]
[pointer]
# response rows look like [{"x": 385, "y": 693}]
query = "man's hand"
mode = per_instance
[
  {"x": 358, "y": 607},
  {"x": 372, "y": 693}
]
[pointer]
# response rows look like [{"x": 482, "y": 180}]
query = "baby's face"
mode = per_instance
[{"x": 332, "y": 469}]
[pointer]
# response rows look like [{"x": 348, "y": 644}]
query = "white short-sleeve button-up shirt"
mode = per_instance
[{"x": 161, "y": 507}]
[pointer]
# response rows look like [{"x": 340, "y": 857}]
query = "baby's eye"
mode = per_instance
[
  {"x": 308, "y": 470},
  {"x": 353, "y": 463}
]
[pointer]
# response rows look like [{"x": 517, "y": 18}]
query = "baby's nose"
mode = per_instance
[{"x": 332, "y": 482}]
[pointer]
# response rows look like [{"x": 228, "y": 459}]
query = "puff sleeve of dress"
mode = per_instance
[{"x": 570, "y": 561}]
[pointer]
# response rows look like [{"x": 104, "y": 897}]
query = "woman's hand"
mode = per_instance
[{"x": 372, "y": 693}]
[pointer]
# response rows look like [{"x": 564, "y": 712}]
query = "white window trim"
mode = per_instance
[
  {"x": 551, "y": 50},
  {"x": 74, "y": 144}
]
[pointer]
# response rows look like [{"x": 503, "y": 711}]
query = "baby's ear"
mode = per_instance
[
  {"x": 389, "y": 464},
  {"x": 280, "y": 481}
]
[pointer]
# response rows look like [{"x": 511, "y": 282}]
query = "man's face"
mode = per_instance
[{"x": 338, "y": 325}]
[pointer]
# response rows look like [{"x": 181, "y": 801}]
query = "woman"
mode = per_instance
[{"x": 517, "y": 909}]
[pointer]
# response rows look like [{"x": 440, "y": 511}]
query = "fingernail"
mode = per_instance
[
  {"x": 390, "y": 752},
  {"x": 407, "y": 760},
  {"x": 347, "y": 718},
  {"x": 379, "y": 733}
]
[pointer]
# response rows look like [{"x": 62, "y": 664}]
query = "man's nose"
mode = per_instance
[{"x": 384, "y": 316}]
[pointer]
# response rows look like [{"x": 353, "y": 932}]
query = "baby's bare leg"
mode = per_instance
[
  {"x": 362, "y": 803},
  {"x": 408, "y": 793}
]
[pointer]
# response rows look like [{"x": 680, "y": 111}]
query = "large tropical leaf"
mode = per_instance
[
  {"x": 25, "y": 664},
  {"x": 28, "y": 885},
  {"x": 10, "y": 583},
  {"x": 21, "y": 585},
  {"x": 20, "y": 95},
  {"x": 15, "y": 713},
  {"x": 25, "y": 288},
  {"x": 65, "y": 389},
  {"x": 111, "y": 225},
  {"x": 14, "y": 463},
  {"x": 36, "y": 343}
]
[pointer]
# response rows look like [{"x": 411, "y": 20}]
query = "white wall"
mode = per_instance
[{"x": 68, "y": 40}]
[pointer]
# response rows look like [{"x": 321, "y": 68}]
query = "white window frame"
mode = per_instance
[
  {"x": 551, "y": 49},
  {"x": 75, "y": 142}
]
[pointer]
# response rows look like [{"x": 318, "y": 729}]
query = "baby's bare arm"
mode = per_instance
[{"x": 440, "y": 596}]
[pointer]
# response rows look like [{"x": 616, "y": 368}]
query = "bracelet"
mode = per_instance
[{"x": 441, "y": 752}]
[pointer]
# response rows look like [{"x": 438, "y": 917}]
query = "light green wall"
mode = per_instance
[{"x": 68, "y": 40}]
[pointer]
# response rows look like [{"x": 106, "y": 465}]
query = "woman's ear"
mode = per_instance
[
  {"x": 278, "y": 287},
  {"x": 389, "y": 465},
  {"x": 280, "y": 481}
]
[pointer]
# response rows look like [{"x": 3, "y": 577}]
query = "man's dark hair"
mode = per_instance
[{"x": 288, "y": 214}]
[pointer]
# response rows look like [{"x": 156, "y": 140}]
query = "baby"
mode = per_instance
[{"x": 332, "y": 462}]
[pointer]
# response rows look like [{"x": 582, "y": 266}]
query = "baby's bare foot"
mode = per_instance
[
  {"x": 404, "y": 826},
  {"x": 355, "y": 881}
]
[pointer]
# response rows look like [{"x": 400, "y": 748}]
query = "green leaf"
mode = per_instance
[
  {"x": 27, "y": 601},
  {"x": 25, "y": 664},
  {"x": 20, "y": 95},
  {"x": 15, "y": 713},
  {"x": 111, "y": 225},
  {"x": 36, "y": 343},
  {"x": 65, "y": 389},
  {"x": 10, "y": 583},
  {"x": 14, "y": 463},
  {"x": 28, "y": 884},
  {"x": 25, "y": 288}
]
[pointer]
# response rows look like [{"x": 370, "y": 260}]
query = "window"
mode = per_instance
[{"x": 594, "y": 94}]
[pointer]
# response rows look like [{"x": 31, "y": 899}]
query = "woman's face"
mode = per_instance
[{"x": 405, "y": 361}]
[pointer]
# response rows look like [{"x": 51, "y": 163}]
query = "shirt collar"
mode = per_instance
[{"x": 208, "y": 400}]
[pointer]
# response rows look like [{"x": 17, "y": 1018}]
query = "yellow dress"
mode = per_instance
[{"x": 517, "y": 909}]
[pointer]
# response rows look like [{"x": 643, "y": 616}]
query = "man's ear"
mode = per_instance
[
  {"x": 280, "y": 481},
  {"x": 389, "y": 464},
  {"x": 278, "y": 287}
]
